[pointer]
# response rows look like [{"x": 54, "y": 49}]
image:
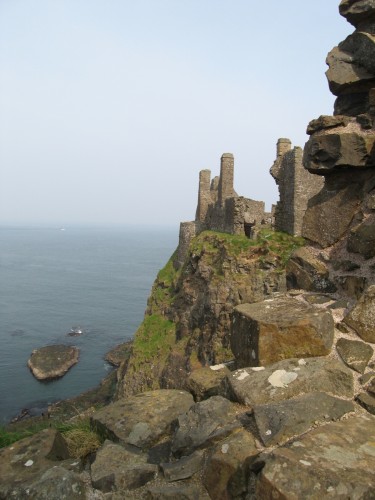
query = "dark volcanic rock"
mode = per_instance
[
  {"x": 226, "y": 473},
  {"x": 144, "y": 419},
  {"x": 119, "y": 354},
  {"x": 279, "y": 328},
  {"x": 57, "y": 483},
  {"x": 354, "y": 353},
  {"x": 367, "y": 401},
  {"x": 183, "y": 468},
  {"x": 325, "y": 121},
  {"x": 288, "y": 379},
  {"x": 334, "y": 461},
  {"x": 357, "y": 11},
  {"x": 206, "y": 382},
  {"x": 278, "y": 422},
  {"x": 362, "y": 239},
  {"x": 205, "y": 423},
  {"x": 52, "y": 361}
]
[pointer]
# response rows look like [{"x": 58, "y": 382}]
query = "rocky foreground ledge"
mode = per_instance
[{"x": 52, "y": 361}]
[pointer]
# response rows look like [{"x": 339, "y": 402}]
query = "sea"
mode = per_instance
[{"x": 57, "y": 279}]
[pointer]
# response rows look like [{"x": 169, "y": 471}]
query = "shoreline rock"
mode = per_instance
[{"x": 53, "y": 361}]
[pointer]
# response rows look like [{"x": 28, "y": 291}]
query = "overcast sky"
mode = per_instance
[{"x": 110, "y": 108}]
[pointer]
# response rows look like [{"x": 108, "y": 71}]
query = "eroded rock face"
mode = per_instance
[
  {"x": 306, "y": 272},
  {"x": 358, "y": 12},
  {"x": 279, "y": 328},
  {"x": 334, "y": 461},
  {"x": 52, "y": 361},
  {"x": 354, "y": 353},
  {"x": 362, "y": 317}
]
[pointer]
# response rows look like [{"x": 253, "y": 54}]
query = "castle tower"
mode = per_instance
[
  {"x": 204, "y": 195},
  {"x": 283, "y": 146},
  {"x": 226, "y": 178}
]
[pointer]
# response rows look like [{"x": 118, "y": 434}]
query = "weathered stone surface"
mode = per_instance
[
  {"x": 57, "y": 483},
  {"x": 52, "y": 361},
  {"x": 362, "y": 239},
  {"x": 205, "y": 423},
  {"x": 327, "y": 121},
  {"x": 304, "y": 271},
  {"x": 330, "y": 212},
  {"x": 357, "y": 11},
  {"x": 327, "y": 152},
  {"x": 367, "y": 401},
  {"x": 362, "y": 317},
  {"x": 183, "y": 468},
  {"x": 371, "y": 386},
  {"x": 279, "y": 328},
  {"x": 206, "y": 382},
  {"x": 225, "y": 475},
  {"x": 26, "y": 460},
  {"x": 280, "y": 421},
  {"x": 334, "y": 461},
  {"x": 368, "y": 378},
  {"x": 175, "y": 492},
  {"x": 352, "y": 104},
  {"x": 344, "y": 265},
  {"x": 118, "y": 468},
  {"x": 142, "y": 420},
  {"x": 290, "y": 378},
  {"x": 354, "y": 353}
]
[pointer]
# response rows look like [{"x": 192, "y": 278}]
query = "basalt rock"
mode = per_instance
[
  {"x": 279, "y": 328},
  {"x": 354, "y": 353},
  {"x": 362, "y": 317},
  {"x": 362, "y": 239},
  {"x": 305, "y": 271}
]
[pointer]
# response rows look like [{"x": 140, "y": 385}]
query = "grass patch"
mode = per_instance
[{"x": 154, "y": 337}]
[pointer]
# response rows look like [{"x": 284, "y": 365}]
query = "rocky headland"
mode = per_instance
[{"x": 252, "y": 375}]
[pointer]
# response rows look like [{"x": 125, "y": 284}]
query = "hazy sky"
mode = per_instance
[{"x": 110, "y": 108}]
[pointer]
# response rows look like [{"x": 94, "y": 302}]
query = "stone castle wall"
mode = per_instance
[{"x": 296, "y": 186}]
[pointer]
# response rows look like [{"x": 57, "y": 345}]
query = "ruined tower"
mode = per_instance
[{"x": 226, "y": 178}]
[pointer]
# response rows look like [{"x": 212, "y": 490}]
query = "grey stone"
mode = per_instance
[
  {"x": 367, "y": 401},
  {"x": 305, "y": 271},
  {"x": 226, "y": 472},
  {"x": 144, "y": 419},
  {"x": 28, "y": 459},
  {"x": 371, "y": 386},
  {"x": 183, "y": 468},
  {"x": 362, "y": 317},
  {"x": 354, "y": 353},
  {"x": 280, "y": 328},
  {"x": 206, "y": 382},
  {"x": 288, "y": 379},
  {"x": 344, "y": 265},
  {"x": 362, "y": 239},
  {"x": 352, "y": 104},
  {"x": 317, "y": 298},
  {"x": 55, "y": 484},
  {"x": 367, "y": 378},
  {"x": 115, "y": 468},
  {"x": 52, "y": 361},
  {"x": 205, "y": 423},
  {"x": 333, "y": 461},
  {"x": 280, "y": 421}
]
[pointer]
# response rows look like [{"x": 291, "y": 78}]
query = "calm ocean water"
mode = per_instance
[{"x": 52, "y": 280}]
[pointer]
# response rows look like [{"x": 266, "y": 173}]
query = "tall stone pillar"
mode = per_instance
[
  {"x": 204, "y": 195},
  {"x": 226, "y": 178}
]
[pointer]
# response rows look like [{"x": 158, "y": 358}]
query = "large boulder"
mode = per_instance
[
  {"x": 362, "y": 239},
  {"x": 206, "y": 381},
  {"x": 333, "y": 461},
  {"x": 362, "y": 317},
  {"x": 52, "y": 361},
  {"x": 144, "y": 419},
  {"x": 288, "y": 379},
  {"x": 226, "y": 473},
  {"x": 279, "y": 328},
  {"x": 358, "y": 12},
  {"x": 116, "y": 468},
  {"x": 205, "y": 423}
]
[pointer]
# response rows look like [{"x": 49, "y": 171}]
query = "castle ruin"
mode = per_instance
[{"x": 296, "y": 186}]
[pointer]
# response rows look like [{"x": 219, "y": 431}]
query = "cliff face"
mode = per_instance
[{"x": 188, "y": 317}]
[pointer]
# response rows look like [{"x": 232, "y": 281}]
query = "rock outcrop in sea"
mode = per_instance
[{"x": 252, "y": 375}]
